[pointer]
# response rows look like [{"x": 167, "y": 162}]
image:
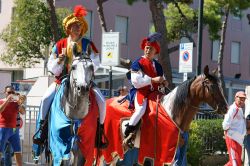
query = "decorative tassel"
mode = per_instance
[{"x": 80, "y": 11}]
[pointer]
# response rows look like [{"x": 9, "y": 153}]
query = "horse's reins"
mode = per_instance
[{"x": 156, "y": 126}]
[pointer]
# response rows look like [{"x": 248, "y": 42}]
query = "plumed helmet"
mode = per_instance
[
  {"x": 77, "y": 17},
  {"x": 152, "y": 40}
]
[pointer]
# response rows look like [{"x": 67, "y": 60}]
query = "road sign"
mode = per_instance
[
  {"x": 110, "y": 48},
  {"x": 186, "y": 57}
]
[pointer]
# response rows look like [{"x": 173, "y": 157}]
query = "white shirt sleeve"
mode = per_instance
[
  {"x": 139, "y": 80},
  {"x": 53, "y": 66},
  {"x": 228, "y": 118}
]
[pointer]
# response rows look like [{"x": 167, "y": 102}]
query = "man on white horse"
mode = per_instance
[
  {"x": 146, "y": 77},
  {"x": 61, "y": 58}
]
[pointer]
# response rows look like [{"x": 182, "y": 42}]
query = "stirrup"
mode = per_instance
[{"x": 129, "y": 141}]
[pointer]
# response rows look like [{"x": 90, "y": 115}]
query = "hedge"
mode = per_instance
[{"x": 206, "y": 137}]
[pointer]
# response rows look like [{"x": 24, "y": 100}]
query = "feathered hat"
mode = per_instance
[
  {"x": 76, "y": 17},
  {"x": 152, "y": 40}
]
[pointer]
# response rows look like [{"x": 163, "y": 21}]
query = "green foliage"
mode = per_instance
[
  {"x": 29, "y": 33},
  {"x": 61, "y": 14},
  {"x": 177, "y": 25},
  {"x": 200, "y": 132}
]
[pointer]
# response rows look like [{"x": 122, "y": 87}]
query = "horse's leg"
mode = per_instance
[{"x": 77, "y": 158}]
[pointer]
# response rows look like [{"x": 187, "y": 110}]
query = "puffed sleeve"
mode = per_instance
[
  {"x": 138, "y": 78},
  {"x": 53, "y": 65}
]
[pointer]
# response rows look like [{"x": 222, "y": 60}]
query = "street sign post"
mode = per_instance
[
  {"x": 110, "y": 48},
  {"x": 110, "y": 53},
  {"x": 186, "y": 59}
]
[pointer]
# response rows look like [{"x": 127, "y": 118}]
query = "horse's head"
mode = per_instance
[
  {"x": 210, "y": 91},
  {"x": 76, "y": 96},
  {"x": 81, "y": 75}
]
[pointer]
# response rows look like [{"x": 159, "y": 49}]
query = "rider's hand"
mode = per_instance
[
  {"x": 158, "y": 79},
  {"x": 61, "y": 58}
]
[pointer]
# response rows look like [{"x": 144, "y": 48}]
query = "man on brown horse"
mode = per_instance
[{"x": 146, "y": 77}]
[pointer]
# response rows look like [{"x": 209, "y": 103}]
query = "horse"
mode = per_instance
[
  {"x": 71, "y": 127},
  {"x": 166, "y": 120}
]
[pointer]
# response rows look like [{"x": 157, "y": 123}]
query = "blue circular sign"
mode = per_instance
[{"x": 185, "y": 56}]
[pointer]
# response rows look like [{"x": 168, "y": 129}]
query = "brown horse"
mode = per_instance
[{"x": 166, "y": 117}]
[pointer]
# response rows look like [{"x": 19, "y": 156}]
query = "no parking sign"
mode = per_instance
[{"x": 186, "y": 57}]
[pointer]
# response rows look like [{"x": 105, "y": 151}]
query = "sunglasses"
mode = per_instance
[{"x": 11, "y": 92}]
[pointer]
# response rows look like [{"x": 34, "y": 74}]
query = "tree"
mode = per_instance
[
  {"x": 29, "y": 34},
  {"x": 53, "y": 20},
  {"x": 217, "y": 9}
]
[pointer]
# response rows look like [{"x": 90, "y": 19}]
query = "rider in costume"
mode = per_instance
[
  {"x": 146, "y": 77},
  {"x": 61, "y": 58}
]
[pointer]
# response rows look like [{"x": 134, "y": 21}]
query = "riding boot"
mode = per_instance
[
  {"x": 42, "y": 133},
  {"x": 129, "y": 129},
  {"x": 129, "y": 133},
  {"x": 101, "y": 141}
]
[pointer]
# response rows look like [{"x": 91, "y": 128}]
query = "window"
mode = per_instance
[
  {"x": 121, "y": 25},
  {"x": 235, "y": 52},
  {"x": 89, "y": 21},
  {"x": 215, "y": 49}
]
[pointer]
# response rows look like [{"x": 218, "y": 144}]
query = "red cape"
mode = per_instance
[
  {"x": 87, "y": 131},
  {"x": 158, "y": 143}
]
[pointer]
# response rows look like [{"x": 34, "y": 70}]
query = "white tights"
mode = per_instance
[
  {"x": 139, "y": 112},
  {"x": 50, "y": 94}
]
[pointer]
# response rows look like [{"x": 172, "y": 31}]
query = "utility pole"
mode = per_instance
[{"x": 199, "y": 41}]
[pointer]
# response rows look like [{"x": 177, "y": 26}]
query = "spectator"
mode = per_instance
[
  {"x": 123, "y": 91},
  {"x": 8, "y": 151},
  {"x": 235, "y": 129},
  {"x": 9, "y": 109}
]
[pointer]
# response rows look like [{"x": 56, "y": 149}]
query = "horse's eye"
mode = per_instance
[{"x": 73, "y": 67}]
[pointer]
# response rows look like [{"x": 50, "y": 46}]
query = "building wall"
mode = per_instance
[{"x": 139, "y": 21}]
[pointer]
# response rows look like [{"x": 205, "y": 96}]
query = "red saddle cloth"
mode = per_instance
[
  {"x": 87, "y": 131},
  {"x": 159, "y": 134}
]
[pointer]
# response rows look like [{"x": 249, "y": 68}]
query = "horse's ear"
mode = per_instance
[{"x": 206, "y": 70}]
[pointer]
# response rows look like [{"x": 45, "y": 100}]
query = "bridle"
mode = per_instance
[
  {"x": 78, "y": 89},
  {"x": 210, "y": 87}
]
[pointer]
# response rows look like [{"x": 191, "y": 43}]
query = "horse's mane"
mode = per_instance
[{"x": 181, "y": 97}]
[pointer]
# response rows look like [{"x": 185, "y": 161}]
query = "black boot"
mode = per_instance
[
  {"x": 130, "y": 134},
  {"x": 42, "y": 134},
  {"x": 129, "y": 129},
  {"x": 101, "y": 140}
]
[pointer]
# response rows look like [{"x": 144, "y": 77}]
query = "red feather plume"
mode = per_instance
[{"x": 80, "y": 11}]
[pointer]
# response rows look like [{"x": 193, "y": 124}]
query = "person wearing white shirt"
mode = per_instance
[{"x": 234, "y": 126}]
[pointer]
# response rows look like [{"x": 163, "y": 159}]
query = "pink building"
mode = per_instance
[{"x": 134, "y": 22}]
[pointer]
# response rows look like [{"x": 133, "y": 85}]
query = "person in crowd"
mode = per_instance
[
  {"x": 146, "y": 77},
  {"x": 61, "y": 58},
  {"x": 123, "y": 91},
  {"x": 235, "y": 129},
  {"x": 10, "y": 106}
]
